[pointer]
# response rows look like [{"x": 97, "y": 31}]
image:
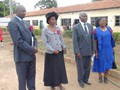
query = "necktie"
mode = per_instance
[
  {"x": 23, "y": 23},
  {"x": 85, "y": 28}
]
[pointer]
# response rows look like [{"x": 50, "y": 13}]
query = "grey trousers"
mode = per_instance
[
  {"x": 26, "y": 74},
  {"x": 83, "y": 68}
]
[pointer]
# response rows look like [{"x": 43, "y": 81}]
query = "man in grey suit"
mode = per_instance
[
  {"x": 83, "y": 48},
  {"x": 25, "y": 45}
]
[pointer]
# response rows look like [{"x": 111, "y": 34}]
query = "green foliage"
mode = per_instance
[
  {"x": 116, "y": 36},
  {"x": 68, "y": 33},
  {"x": 4, "y": 29},
  {"x": 44, "y": 4},
  {"x": 4, "y": 7},
  {"x": 37, "y": 32},
  {"x": 1, "y": 9}
]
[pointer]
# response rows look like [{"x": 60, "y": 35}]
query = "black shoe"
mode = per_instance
[
  {"x": 100, "y": 80},
  {"x": 81, "y": 85},
  {"x": 105, "y": 80},
  {"x": 87, "y": 83}
]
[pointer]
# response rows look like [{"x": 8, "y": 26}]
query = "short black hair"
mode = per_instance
[
  {"x": 51, "y": 14},
  {"x": 98, "y": 20}
]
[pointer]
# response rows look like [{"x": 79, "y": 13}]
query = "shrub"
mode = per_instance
[
  {"x": 68, "y": 33},
  {"x": 116, "y": 36},
  {"x": 4, "y": 29},
  {"x": 37, "y": 31}
]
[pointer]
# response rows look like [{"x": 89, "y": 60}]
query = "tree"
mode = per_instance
[
  {"x": 96, "y": 0},
  {"x": 1, "y": 9},
  {"x": 4, "y": 7},
  {"x": 44, "y": 4}
]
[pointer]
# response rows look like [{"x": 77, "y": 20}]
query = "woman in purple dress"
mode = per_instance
[{"x": 104, "y": 43}]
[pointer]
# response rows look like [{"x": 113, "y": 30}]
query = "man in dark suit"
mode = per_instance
[
  {"x": 83, "y": 48},
  {"x": 25, "y": 45}
]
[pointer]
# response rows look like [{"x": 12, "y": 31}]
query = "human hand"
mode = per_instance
[
  {"x": 36, "y": 50},
  {"x": 96, "y": 54},
  {"x": 56, "y": 52},
  {"x": 78, "y": 55}
]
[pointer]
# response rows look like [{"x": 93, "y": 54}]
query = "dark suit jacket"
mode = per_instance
[
  {"x": 22, "y": 39},
  {"x": 81, "y": 43}
]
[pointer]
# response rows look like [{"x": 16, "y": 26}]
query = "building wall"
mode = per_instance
[
  {"x": 36, "y": 18},
  {"x": 111, "y": 13}
]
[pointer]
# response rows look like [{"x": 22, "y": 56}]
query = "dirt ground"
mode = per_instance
[{"x": 8, "y": 77}]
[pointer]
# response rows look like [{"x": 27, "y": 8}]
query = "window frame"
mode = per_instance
[
  {"x": 118, "y": 20},
  {"x": 35, "y": 23}
]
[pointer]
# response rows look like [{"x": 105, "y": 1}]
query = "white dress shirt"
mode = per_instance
[{"x": 86, "y": 27}]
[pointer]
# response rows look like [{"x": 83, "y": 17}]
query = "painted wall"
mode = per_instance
[{"x": 111, "y": 13}]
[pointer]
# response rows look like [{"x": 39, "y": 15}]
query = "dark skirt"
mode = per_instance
[{"x": 54, "y": 70}]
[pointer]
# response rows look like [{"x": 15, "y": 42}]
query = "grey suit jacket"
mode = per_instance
[
  {"x": 81, "y": 43},
  {"x": 22, "y": 39}
]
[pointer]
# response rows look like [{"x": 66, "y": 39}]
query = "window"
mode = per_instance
[
  {"x": 76, "y": 21},
  {"x": 28, "y": 21},
  {"x": 93, "y": 19},
  {"x": 66, "y": 22},
  {"x": 117, "y": 20},
  {"x": 35, "y": 22}
]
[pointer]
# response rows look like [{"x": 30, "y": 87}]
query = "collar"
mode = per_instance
[
  {"x": 19, "y": 18},
  {"x": 83, "y": 23},
  {"x": 49, "y": 31}
]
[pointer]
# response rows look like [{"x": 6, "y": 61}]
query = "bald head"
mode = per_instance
[
  {"x": 20, "y": 11},
  {"x": 83, "y": 17}
]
